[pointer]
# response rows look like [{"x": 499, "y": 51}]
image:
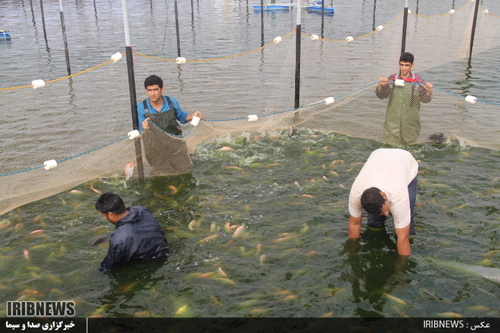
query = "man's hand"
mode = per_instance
[
  {"x": 194, "y": 114},
  {"x": 145, "y": 123}
]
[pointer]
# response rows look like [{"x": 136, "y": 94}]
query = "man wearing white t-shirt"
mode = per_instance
[{"x": 386, "y": 183}]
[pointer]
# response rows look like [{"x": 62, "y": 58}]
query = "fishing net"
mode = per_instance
[{"x": 77, "y": 128}]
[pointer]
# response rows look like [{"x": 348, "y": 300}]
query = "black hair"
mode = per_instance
[
  {"x": 407, "y": 57},
  {"x": 372, "y": 201},
  {"x": 152, "y": 80},
  {"x": 110, "y": 203}
]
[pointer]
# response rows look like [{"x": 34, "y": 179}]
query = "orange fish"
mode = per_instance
[
  {"x": 226, "y": 148},
  {"x": 26, "y": 254},
  {"x": 91, "y": 186},
  {"x": 129, "y": 170}
]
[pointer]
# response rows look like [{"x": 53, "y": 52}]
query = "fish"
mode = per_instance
[
  {"x": 307, "y": 196},
  {"x": 91, "y": 186},
  {"x": 234, "y": 167},
  {"x": 453, "y": 139},
  {"x": 207, "y": 239},
  {"x": 26, "y": 254},
  {"x": 100, "y": 240},
  {"x": 182, "y": 310},
  {"x": 490, "y": 273},
  {"x": 143, "y": 314},
  {"x": 289, "y": 298},
  {"x": 248, "y": 303},
  {"x": 75, "y": 191},
  {"x": 192, "y": 224},
  {"x": 221, "y": 272},
  {"x": 4, "y": 224},
  {"x": 279, "y": 240},
  {"x": 129, "y": 170},
  {"x": 258, "y": 248},
  {"x": 291, "y": 131},
  {"x": 229, "y": 228},
  {"x": 173, "y": 189},
  {"x": 206, "y": 275},
  {"x": 128, "y": 287},
  {"x": 449, "y": 315},
  {"x": 38, "y": 232},
  {"x": 30, "y": 292},
  {"x": 226, "y": 148},
  {"x": 224, "y": 280},
  {"x": 239, "y": 231},
  {"x": 395, "y": 299},
  {"x": 310, "y": 253},
  {"x": 18, "y": 227}
]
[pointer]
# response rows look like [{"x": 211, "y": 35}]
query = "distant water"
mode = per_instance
[{"x": 208, "y": 29}]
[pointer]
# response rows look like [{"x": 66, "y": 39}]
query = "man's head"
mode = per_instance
[
  {"x": 407, "y": 57},
  {"x": 153, "y": 80},
  {"x": 375, "y": 202},
  {"x": 406, "y": 63},
  {"x": 111, "y": 206},
  {"x": 154, "y": 88}
]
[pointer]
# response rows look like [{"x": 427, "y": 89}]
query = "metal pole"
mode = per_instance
[
  {"x": 405, "y": 23},
  {"x": 43, "y": 21},
  {"x": 262, "y": 22},
  {"x": 66, "y": 52},
  {"x": 131, "y": 85},
  {"x": 298, "y": 33},
  {"x": 473, "y": 32},
  {"x": 192, "y": 11},
  {"x": 177, "y": 29},
  {"x": 322, "y": 19}
]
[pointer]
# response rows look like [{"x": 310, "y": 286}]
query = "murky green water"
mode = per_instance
[{"x": 291, "y": 194}]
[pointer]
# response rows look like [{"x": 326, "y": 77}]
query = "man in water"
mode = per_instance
[
  {"x": 402, "y": 118},
  {"x": 137, "y": 236},
  {"x": 166, "y": 154},
  {"x": 387, "y": 183}
]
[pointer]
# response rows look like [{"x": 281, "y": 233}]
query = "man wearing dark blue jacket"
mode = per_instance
[{"x": 137, "y": 236}]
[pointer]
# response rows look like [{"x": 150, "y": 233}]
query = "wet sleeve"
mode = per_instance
[
  {"x": 179, "y": 114},
  {"x": 117, "y": 254},
  {"x": 140, "y": 115}
]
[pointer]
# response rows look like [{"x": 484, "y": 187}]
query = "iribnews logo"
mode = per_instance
[{"x": 41, "y": 309}]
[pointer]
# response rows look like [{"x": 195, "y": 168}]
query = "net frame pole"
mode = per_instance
[
  {"x": 131, "y": 85},
  {"x": 405, "y": 24},
  {"x": 177, "y": 29},
  {"x": 65, "y": 39},
  {"x": 298, "y": 32},
  {"x": 43, "y": 23},
  {"x": 473, "y": 29},
  {"x": 262, "y": 22},
  {"x": 322, "y": 19}
]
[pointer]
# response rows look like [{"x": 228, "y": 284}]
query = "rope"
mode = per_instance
[
  {"x": 64, "y": 77},
  {"x": 439, "y": 15},
  {"x": 65, "y": 159},
  {"x": 214, "y": 59},
  {"x": 363, "y": 36},
  {"x": 219, "y": 120}
]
